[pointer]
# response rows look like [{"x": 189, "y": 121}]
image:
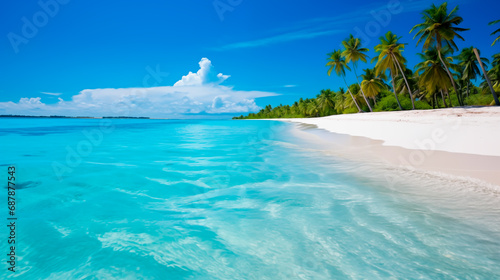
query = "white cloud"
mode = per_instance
[
  {"x": 195, "y": 93},
  {"x": 205, "y": 75},
  {"x": 31, "y": 102},
  {"x": 286, "y": 37},
  {"x": 52, "y": 93}
]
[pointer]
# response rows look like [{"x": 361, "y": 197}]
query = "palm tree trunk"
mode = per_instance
[
  {"x": 394, "y": 89},
  {"x": 444, "y": 100},
  {"x": 352, "y": 96},
  {"x": 366, "y": 100},
  {"x": 433, "y": 101},
  {"x": 406, "y": 81},
  {"x": 449, "y": 75},
  {"x": 487, "y": 78}
]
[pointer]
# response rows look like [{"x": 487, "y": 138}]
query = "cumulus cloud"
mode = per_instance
[
  {"x": 205, "y": 75},
  {"x": 195, "y": 93}
]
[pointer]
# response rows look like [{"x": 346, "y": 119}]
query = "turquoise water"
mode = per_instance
[{"x": 174, "y": 199}]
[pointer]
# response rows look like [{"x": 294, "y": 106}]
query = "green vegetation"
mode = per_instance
[
  {"x": 495, "y": 32},
  {"x": 440, "y": 80}
]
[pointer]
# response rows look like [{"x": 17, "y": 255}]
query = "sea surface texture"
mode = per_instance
[{"x": 189, "y": 199}]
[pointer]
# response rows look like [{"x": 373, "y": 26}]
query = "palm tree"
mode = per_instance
[
  {"x": 433, "y": 76},
  {"x": 496, "y": 31},
  {"x": 372, "y": 84},
  {"x": 400, "y": 82},
  {"x": 340, "y": 100},
  {"x": 352, "y": 53},
  {"x": 494, "y": 75},
  {"x": 494, "y": 72},
  {"x": 294, "y": 110},
  {"x": 303, "y": 107},
  {"x": 493, "y": 92},
  {"x": 469, "y": 66},
  {"x": 312, "y": 108},
  {"x": 325, "y": 102},
  {"x": 438, "y": 28},
  {"x": 389, "y": 57},
  {"x": 357, "y": 96},
  {"x": 338, "y": 63}
]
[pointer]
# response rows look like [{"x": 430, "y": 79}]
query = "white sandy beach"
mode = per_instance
[
  {"x": 457, "y": 141},
  {"x": 459, "y": 130}
]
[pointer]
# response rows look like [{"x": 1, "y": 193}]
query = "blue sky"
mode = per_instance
[{"x": 268, "y": 51}]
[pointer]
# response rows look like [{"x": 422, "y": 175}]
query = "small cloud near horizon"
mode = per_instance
[{"x": 290, "y": 86}]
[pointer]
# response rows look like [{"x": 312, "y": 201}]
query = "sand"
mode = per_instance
[{"x": 456, "y": 141}]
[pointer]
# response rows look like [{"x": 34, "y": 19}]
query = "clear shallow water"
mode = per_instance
[{"x": 157, "y": 199}]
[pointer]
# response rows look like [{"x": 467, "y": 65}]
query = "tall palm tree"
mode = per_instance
[
  {"x": 496, "y": 31},
  {"x": 390, "y": 57},
  {"x": 487, "y": 78},
  {"x": 338, "y": 63},
  {"x": 372, "y": 84},
  {"x": 433, "y": 76},
  {"x": 438, "y": 28},
  {"x": 469, "y": 66},
  {"x": 353, "y": 52}
]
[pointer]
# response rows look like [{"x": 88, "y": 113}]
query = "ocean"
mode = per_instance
[{"x": 223, "y": 199}]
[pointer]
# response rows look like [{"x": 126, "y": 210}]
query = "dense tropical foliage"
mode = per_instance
[{"x": 444, "y": 77}]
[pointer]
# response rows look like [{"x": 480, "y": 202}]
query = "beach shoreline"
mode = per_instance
[{"x": 461, "y": 142}]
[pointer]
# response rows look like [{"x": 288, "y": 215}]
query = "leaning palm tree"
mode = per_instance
[
  {"x": 352, "y": 53},
  {"x": 338, "y": 63},
  {"x": 372, "y": 84},
  {"x": 438, "y": 28},
  {"x": 433, "y": 76},
  {"x": 487, "y": 78},
  {"x": 469, "y": 66},
  {"x": 496, "y": 31},
  {"x": 390, "y": 57}
]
